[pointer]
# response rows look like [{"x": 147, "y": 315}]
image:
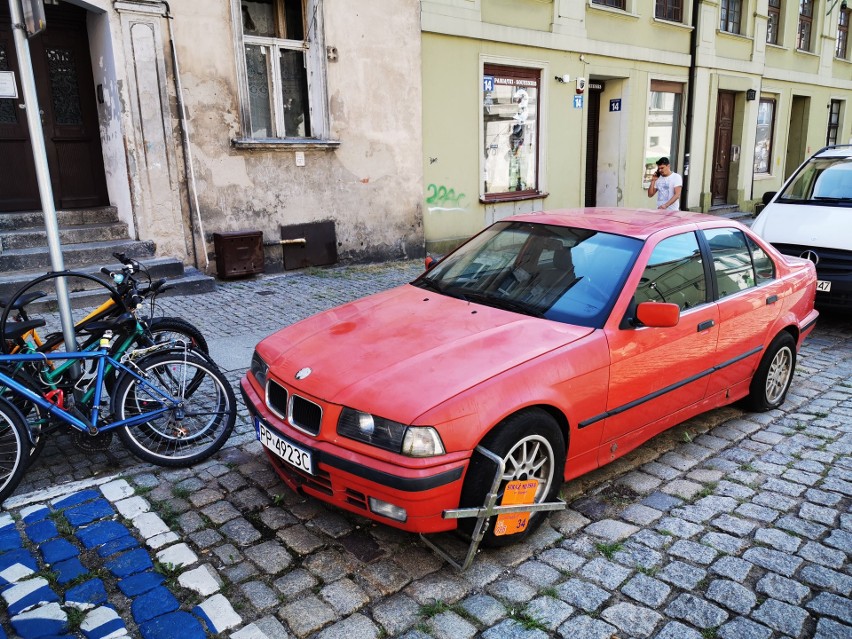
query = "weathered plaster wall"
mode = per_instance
[{"x": 370, "y": 185}]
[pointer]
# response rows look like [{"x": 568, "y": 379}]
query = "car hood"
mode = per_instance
[
  {"x": 805, "y": 225},
  {"x": 399, "y": 353}
]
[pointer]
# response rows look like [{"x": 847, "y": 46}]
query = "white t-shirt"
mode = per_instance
[{"x": 665, "y": 190}]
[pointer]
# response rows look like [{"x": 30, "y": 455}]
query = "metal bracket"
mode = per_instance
[
  {"x": 483, "y": 514},
  {"x": 296, "y": 242}
]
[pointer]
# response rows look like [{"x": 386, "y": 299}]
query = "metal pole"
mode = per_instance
[{"x": 45, "y": 191}]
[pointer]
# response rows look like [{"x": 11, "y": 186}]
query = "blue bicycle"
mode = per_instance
[{"x": 169, "y": 405}]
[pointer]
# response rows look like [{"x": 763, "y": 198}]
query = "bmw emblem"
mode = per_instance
[{"x": 302, "y": 374}]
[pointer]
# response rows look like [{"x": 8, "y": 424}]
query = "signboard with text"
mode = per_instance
[{"x": 8, "y": 86}]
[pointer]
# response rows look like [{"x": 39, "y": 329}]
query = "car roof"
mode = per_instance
[
  {"x": 837, "y": 151},
  {"x": 638, "y": 223}
]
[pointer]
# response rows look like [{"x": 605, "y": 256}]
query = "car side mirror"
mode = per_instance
[
  {"x": 768, "y": 196},
  {"x": 658, "y": 314},
  {"x": 430, "y": 262}
]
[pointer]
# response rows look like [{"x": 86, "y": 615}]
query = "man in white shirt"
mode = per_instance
[{"x": 666, "y": 185}]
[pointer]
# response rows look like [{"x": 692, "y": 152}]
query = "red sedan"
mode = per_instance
[{"x": 558, "y": 341}]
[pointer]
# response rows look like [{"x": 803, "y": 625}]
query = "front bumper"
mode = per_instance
[{"x": 348, "y": 480}]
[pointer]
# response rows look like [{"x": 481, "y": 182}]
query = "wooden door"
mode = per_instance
[
  {"x": 592, "y": 130},
  {"x": 722, "y": 147},
  {"x": 63, "y": 73}
]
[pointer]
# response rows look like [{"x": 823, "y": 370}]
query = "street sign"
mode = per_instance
[
  {"x": 34, "y": 16},
  {"x": 578, "y": 101},
  {"x": 8, "y": 86},
  {"x": 615, "y": 105}
]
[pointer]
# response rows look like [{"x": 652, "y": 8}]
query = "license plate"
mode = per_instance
[
  {"x": 294, "y": 455},
  {"x": 824, "y": 286}
]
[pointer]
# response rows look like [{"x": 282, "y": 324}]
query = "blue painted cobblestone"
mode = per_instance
[{"x": 37, "y": 611}]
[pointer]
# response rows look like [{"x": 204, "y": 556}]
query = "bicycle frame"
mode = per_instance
[{"x": 79, "y": 421}]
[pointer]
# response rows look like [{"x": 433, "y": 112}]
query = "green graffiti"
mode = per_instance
[{"x": 442, "y": 197}]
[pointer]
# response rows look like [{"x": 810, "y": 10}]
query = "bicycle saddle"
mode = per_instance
[
  {"x": 107, "y": 323},
  {"x": 16, "y": 330}
]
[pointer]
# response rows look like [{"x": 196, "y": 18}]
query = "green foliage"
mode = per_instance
[{"x": 608, "y": 550}]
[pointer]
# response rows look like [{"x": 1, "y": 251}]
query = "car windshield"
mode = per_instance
[
  {"x": 570, "y": 275},
  {"x": 826, "y": 180}
]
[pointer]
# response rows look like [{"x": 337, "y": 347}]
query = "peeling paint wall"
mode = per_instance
[{"x": 370, "y": 184}]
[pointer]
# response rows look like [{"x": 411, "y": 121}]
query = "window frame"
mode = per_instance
[
  {"x": 841, "y": 48},
  {"x": 833, "y": 128},
  {"x": 726, "y": 7},
  {"x": 313, "y": 49},
  {"x": 773, "y": 103},
  {"x": 805, "y": 26},
  {"x": 516, "y": 70},
  {"x": 667, "y": 8},
  {"x": 621, "y": 5},
  {"x": 773, "y": 10}
]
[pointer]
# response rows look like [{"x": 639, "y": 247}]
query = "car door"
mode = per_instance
[
  {"x": 749, "y": 298},
  {"x": 655, "y": 372}
]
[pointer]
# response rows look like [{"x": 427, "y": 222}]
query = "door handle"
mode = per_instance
[
  {"x": 771, "y": 299},
  {"x": 703, "y": 326}
]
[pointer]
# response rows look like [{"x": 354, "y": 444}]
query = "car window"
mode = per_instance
[
  {"x": 675, "y": 273},
  {"x": 570, "y": 275},
  {"x": 821, "y": 180},
  {"x": 764, "y": 267},
  {"x": 732, "y": 263}
]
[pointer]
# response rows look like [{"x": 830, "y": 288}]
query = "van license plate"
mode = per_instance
[
  {"x": 294, "y": 455},
  {"x": 824, "y": 286}
]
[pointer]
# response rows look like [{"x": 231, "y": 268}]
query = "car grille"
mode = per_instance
[
  {"x": 356, "y": 499},
  {"x": 276, "y": 398},
  {"x": 320, "y": 481},
  {"x": 306, "y": 415},
  {"x": 831, "y": 261}
]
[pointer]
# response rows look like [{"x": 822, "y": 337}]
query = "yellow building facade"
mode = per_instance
[{"x": 541, "y": 104}]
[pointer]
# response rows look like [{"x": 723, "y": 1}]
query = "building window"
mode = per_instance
[
  {"x": 664, "y": 109},
  {"x": 731, "y": 16},
  {"x": 616, "y": 4},
  {"x": 284, "y": 73},
  {"x": 806, "y": 17},
  {"x": 763, "y": 140},
  {"x": 510, "y": 115},
  {"x": 669, "y": 10},
  {"x": 842, "y": 49},
  {"x": 773, "y": 24},
  {"x": 833, "y": 122}
]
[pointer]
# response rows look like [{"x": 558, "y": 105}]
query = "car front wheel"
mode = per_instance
[
  {"x": 531, "y": 446},
  {"x": 771, "y": 382}
]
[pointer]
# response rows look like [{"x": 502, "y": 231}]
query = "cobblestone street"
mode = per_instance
[{"x": 733, "y": 525}]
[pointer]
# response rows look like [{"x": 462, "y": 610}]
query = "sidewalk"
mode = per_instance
[{"x": 732, "y": 525}]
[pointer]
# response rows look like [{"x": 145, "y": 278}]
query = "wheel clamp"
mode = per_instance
[{"x": 484, "y": 513}]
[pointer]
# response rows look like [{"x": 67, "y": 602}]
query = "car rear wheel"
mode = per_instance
[
  {"x": 532, "y": 447},
  {"x": 771, "y": 382}
]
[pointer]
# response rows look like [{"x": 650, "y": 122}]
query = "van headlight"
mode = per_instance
[{"x": 413, "y": 441}]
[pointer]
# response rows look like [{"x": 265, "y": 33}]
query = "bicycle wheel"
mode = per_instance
[
  {"x": 36, "y": 418},
  {"x": 14, "y": 448},
  {"x": 200, "y": 409},
  {"x": 176, "y": 329}
]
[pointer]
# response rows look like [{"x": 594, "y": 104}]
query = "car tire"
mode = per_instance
[
  {"x": 534, "y": 442},
  {"x": 772, "y": 379}
]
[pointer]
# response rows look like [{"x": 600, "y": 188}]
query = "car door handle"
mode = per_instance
[
  {"x": 703, "y": 326},
  {"x": 771, "y": 299}
]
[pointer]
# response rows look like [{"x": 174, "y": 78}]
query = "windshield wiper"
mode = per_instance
[
  {"x": 825, "y": 198},
  {"x": 504, "y": 304},
  {"x": 429, "y": 285}
]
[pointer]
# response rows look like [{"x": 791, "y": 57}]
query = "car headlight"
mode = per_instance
[
  {"x": 259, "y": 369},
  {"x": 414, "y": 441}
]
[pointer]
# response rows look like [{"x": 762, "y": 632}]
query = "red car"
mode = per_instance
[{"x": 559, "y": 341}]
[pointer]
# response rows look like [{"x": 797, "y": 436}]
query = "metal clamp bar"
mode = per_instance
[
  {"x": 296, "y": 242},
  {"x": 488, "y": 510}
]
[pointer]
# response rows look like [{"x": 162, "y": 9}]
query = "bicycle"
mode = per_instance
[{"x": 169, "y": 406}]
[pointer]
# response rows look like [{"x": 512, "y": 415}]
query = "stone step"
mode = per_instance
[
  {"x": 73, "y": 217},
  {"x": 184, "y": 281},
  {"x": 38, "y": 258},
  {"x": 72, "y": 234}
]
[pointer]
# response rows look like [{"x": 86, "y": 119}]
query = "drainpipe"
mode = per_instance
[
  {"x": 690, "y": 105},
  {"x": 192, "y": 189}
]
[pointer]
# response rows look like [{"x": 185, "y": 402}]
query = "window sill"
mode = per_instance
[
  {"x": 807, "y": 53},
  {"x": 671, "y": 23},
  {"x": 846, "y": 60},
  {"x": 736, "y": 36},
  {"x": 759, "y": 177},
  {"x": 776, "y": 46},
  {"x": 622, "y": 13},
  {"x": 509, "y": 197},
  {"x": 285, "y": 144}
]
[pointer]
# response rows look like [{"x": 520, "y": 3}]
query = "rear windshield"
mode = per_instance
[{"x": 821, "y": 181}]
